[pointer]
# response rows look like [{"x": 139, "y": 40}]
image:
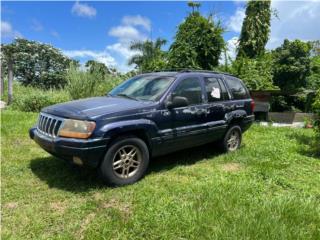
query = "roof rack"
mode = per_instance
[
  {"x": 205, "y": 71},
  {"x": 186, "y": 70}
]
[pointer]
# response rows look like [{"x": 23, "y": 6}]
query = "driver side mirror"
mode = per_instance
[{"x": 177, "y": 102}]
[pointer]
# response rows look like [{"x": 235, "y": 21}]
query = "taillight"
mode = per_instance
[{"x": 252, "y": 105}]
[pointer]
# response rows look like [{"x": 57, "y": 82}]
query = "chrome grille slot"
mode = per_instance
[{"x": 49, "y": 125}]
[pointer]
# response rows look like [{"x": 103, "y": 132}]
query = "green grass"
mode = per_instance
[{"x": 269, "y": 189}]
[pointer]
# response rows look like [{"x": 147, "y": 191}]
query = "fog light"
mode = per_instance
[{"x": 77, "y": 160}]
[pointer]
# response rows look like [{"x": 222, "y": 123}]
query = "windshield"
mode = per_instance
[{"x": 148, "y": 87}]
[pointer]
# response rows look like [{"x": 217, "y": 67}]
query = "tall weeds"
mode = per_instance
[{"x": 81, "y": 84}]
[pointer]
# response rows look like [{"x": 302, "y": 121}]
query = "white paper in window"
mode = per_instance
[{"x": 215, "y": 93}]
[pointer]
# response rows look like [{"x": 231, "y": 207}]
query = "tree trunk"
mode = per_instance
[
  {"x": 10, "y": 81},
  {"x": 1, "y": 80}
]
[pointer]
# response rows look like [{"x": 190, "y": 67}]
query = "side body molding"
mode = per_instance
[
  {"x": 116, "y": 128},
  {"x": 235, "y": 115}
]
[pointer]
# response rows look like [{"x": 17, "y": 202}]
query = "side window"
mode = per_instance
[
  {"x": 224, "y": 91},
  {"x": 213, "y": 89},
  {"x": 189, "y": 88},
  {"x": 237, "y": 89}
]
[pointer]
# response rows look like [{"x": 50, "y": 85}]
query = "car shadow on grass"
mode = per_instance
[
  {"x": 60, "y": 174},
  {"x": 184, "y": 157}
]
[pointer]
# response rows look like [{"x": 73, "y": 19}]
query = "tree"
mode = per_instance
[
  {"x": 292, "y": 65},
  {"x": 97, "y": 67},
  {"x": 256, "y": 73},
  {"x": 198, "y": 43},
  {"x": 255, "y": 29},
  {"x": 37, "y": 64},
  {"x": 316, "y": 109},
  {"x": 150, "y": 57},
  {"x": 315, "y": 48},
  {"x": 194, "y": 5},
  {"x": 313, "y": 81}
]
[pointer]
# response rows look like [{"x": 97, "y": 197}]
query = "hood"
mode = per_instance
[{"x": 91, "y": 108}]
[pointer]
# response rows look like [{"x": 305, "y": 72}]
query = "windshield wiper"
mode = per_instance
[{"x": 126, "y": 96}]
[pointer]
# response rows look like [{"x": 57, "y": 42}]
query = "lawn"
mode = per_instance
[{"x": 269, "y": 189}]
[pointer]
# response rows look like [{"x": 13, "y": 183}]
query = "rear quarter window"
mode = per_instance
[{"x": 237, "y": 88}]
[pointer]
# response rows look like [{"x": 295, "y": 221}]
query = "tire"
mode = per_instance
[
  {"x": 125, "y": 162},
  {"x": 232, "y": 139}
]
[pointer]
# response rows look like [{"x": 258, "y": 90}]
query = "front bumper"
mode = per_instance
[{"x": 90, "y": 151}]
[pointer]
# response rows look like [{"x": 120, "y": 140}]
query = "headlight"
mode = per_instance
[{"x": 76, "y": 129}]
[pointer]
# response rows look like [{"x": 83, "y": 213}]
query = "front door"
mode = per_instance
[{"x": 188, "y": 122}]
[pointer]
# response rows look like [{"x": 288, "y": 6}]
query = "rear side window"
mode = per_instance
[
  {"x": 213, "y": 89},
  {"x": 237, "y": 88}
]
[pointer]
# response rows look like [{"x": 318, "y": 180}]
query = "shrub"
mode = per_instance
[
  {"x": 316, "y": 109},
  {"x": 85, "y": 84},
  {"x": 256, "y": 73},
  {"x": 81, "y": 84},
  {"x": 29, "y": 99}
]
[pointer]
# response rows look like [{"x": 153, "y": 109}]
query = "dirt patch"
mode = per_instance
[
  {"x": 18, "y": 142},
  {"x": 11, "y": 205},
  {"x": 59, "y": 207},
  {"x": 124, "y": 208},
  {"x": 84, "y": 225},
  {"x": 98, "y": 196},
  {"x": 231, "y": 167}
]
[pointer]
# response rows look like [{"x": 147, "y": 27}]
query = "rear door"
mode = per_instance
[
  {"x": 216, "y": 96},
  {"x": 241, "y": 100}
]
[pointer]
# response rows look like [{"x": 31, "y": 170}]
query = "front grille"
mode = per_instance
[{"x": 49, "y": 125}]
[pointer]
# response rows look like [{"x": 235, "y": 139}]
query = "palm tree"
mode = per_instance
[{"x": 149, "y": 51}]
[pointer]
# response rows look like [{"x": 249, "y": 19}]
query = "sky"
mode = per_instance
[{"x": 103, "y": 31}]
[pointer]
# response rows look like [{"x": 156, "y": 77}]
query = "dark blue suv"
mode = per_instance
[{"x": 148, "y": 115}]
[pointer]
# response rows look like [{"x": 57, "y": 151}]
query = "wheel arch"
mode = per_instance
[
  {"x": 140, "y": 128},
  {"x": 237, "y": 118}
]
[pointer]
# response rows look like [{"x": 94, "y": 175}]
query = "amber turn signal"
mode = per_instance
[{"x": 77, "y": 129}]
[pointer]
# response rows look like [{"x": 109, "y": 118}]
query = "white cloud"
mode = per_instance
[
  {"x": 235, "y": 22},
  {"x": 126, "y": 33},
  {"x": 7, "y": 30},
  {"x": 99, "y": 56},
  {"x": 83, "y": 10},
  {"x": 232, "y": 45},
  {"x": 55, "y": 34},
  {"x": 117, "y": 54},
  {"x": 36, "y": 25},
  {"x": 137, "y": 21},
  {"x": 297, "y": 20},
  {"x": 121, "y": 49}
]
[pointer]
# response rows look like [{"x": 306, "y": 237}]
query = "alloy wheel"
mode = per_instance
[
  {"x": 233, "y": 140},
  {"x": 126, "y": 161}
]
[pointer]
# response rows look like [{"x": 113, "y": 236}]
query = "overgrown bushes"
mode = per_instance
[
  {"x": 30, "y": 99},
  {"x": 316, "y": 108},
  {"x": 256, "y": 73},
  {"x": 82, "y": 84}
]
